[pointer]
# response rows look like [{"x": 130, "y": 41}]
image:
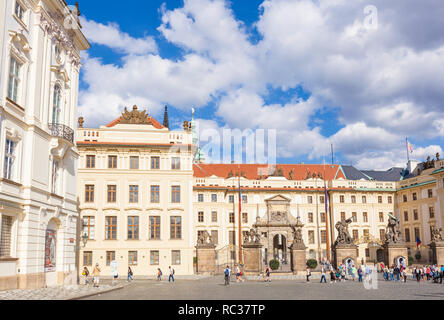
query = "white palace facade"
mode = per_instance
[
  {"x": 144, "y": 201},
  {"x": 39, "y": 79}
]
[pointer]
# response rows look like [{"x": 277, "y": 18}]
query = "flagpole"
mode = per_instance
[
  {"x": 407, "y": 148},
  {"x": 326, "y": 215},
  {"x": 240, "y": 218}
]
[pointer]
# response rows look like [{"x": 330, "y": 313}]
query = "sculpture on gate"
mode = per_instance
[
  {"x": 436, "y": 234},
  {"x": 343, "y": 235},
  {"x": 393, "y": 233},
  {"x": 252, "y": 237},
  {"x": 205, "y": 240}
]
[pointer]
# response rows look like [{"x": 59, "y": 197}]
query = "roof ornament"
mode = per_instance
[{"x": 135, "y": 117}]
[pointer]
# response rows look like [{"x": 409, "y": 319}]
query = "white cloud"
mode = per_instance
[
  {"x": 111, "y": 36},
  {"x": 388, "y": 83}
]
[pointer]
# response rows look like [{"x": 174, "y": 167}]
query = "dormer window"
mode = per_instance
[{"x": 19, "y": 10}]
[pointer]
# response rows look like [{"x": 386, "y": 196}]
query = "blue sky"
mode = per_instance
[{"x": 312, "y": 70}]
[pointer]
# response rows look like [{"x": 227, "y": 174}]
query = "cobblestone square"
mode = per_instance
[{"x": 213, "y": 288}]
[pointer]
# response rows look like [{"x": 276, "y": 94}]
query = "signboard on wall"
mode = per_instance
[{"x": 50, "y": 251}]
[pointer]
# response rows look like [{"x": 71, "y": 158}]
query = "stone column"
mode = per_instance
[
  {"x": 394, "y": 250},
  {"x": 299, "y": 258},
  {"x": 252, "y": 258},
  {"x": 206, "y": 259},
  {"x": 438, "y": 253},
  {"x": 345, "y": 251}
]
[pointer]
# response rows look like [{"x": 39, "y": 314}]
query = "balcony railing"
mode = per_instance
[{"x": 62, "y": 131}]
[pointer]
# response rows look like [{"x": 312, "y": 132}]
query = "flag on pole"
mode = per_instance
[
  {"x": 418, "y": 242},
  {"x": 240, "y": 198},
  {"x": 409, "y": 146}
]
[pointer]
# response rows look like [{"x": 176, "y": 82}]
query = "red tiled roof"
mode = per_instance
[
  {"x": 253, "y": 171},
  {"x": 156, "y": 124}
]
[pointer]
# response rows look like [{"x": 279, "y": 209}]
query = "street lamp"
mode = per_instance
[{"x": 85, "y": 239}]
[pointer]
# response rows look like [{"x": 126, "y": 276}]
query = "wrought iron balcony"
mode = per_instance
[{"x": 62, "y": 131}]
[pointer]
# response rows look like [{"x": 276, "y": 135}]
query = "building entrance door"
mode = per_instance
[{"x": 280, "y": 248}]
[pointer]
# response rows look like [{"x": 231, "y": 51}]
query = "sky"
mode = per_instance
[{"x": 318, "y": 72}]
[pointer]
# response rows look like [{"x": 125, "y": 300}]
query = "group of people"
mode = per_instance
[
  {"x": 428, "y": 273},
  {"x": 340, "y": 274},
  {"x": 130, "y": 276},
  {"x": 395, "y": 273},
  {"x": 227, "y": 275}
]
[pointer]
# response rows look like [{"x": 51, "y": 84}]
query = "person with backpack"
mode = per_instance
[
  {"x": 85, "y": 274},
  {"x": 227, "y": 273},
  {"x": 130, "y": 275},
  {"x": 159, "y": 274},
  {"x": 171, "y": 276}
]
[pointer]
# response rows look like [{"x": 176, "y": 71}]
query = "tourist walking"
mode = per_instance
[
  {"x": 268, "y": 274},
  {"x": 238, "y": 275},
  {"x": 323, "y": 275},
  {"x": 227, "y": 273},
  {"x": 360, "y": 273},
  {"x": 418, "y": 274},
  {"x": 130, "y": 275},
  {"x": 308, "y": 274},
  {"x": 115, "y": 275},
  {"x": 96, "y": 275},
  {"x": 159, "y": 274},
  {"x": 85, "y": 274},
  {"x": 441, "y": 275},
  {"x": 332, "y": 276},
  {"x": 171, "y": 274},
  {"x": 353, "y": 272}
]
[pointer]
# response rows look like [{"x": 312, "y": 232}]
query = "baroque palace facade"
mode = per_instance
[
  {"x": 39, "y": 78},
  {"x": 144, "y": 201}
]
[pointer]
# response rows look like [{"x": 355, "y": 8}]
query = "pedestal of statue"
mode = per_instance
[
  {"x": 299, "y": 258},
  {"x": 438, "y": 253},
  {"x": 344, "y": 252},
  {"x": 206, "y": 260},
  {"x": 252, "y": 258},
  {"x": 395, "y": 251}
]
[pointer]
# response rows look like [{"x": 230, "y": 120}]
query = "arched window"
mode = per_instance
[{"x": 56, "y": 104}]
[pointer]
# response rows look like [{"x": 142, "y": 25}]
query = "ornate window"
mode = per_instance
[
  {"x": 89, "y": 193},
  {"x": 112, "y": 194},
  {"x": 132, "y": 258},
  {"x": 134, "y": 163},
  {"x": 310, "y": 217},
  {"x": 14, "y": 79},
  {"x": 154, "y": 228},
  {"x": 407, "y": 234},
  {"x": 176, "y": 228},
  {"x": 175, "y": 257},
  {"x": 6, "y": 236},
  {"x": 56, "y": 110},
  {"x": 214, "y": 216},
  {"x": 8, "y": 172},
  {"x": 87, "y": 258},
  {"x": 200, "y": 217},
  {"x": 175, "y": 194},
  {"x": 110, "y": 256},
  {"x": 214, "y": 197},
  {"x": 112, "y": 162},
  {"x": 231, "y": 217},
  {"x": 89, "y": 227},
  {"x": 175, "y": 163},
  {"x": 244, "y": 217},
  {"x": 134, "y": 194},
  {"x": 154, "y": 258},
  {"x": 133, "y": 228},
  {"x": 111, "y": 228},
  {"x": 381, "y": 217},
  {"x": 90, "y": 162},
  {"x": 19, "y": 11},
  {"x": 200, "y": 197},
  {"x": 155, "y": 194},
  {"x": 155, "y": 163},
  {"x": 365, "y": 217}
]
